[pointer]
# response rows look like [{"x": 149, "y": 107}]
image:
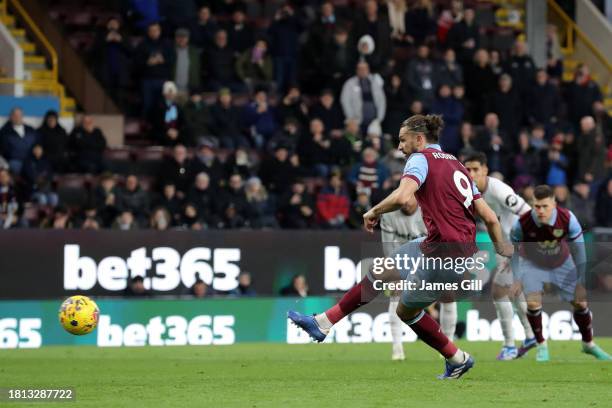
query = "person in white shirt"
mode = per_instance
[{"x": 508, "y": 206}]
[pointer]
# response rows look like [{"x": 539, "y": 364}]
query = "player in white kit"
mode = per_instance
[
  {"x": 397, "y": 228},
  {"x": 508, "y": 206}
]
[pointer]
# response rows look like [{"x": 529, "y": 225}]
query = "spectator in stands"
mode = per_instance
[
  {"x": 591, "y": 152},
  {"x": 261, "y": 208},
  {"x": 202, "y": 196},
  {"x": 468, "y": 139},
  {"x": 603, "y": 215},
  {"x": 136, "y": 288},
  {"x": 522, "y": 69},
  {"x": 254, "y": 65},
  {"x": 353, "y": 135},
  {"x": 177, "y": 170},
  {"x": 105, "y": 198},
  {"x": 603, "y": 121},
  {"x": 359, "y": 207},
  {"x": 527, "y": 163},
  {"x": 506, "y": 103},
  {"x": 571, "y": 151},
  {"x": 337, "y": 60},
  {"x": 38, "y": 175},
  {"x": 187, "y": 70},
  {"x": 292, "y": 106},
  {"x": 169, "y": 201},
  {"x": 134, "y": 200},
  {"x": 9, "y": 206},
  {"x": 452, "y": 112},
  {"x": 240, "y": 35},
  {"x": 198, "y": 121},
  {"x": 220, "y": 65},
  {"x": 204, "y": 28},
  {"x": 328, "y": 111},
  {"x": 190, "y": 218},
  {"x": 125, "y": 221},
  {"x": 342, "y": 151},
  {"x": 206, "y": 160},
  {"x": 490, "y": 140},
  {"x": 59, "y": 219},
  {"x": 200, "y": 289},
  {"x": 420, "y": 77},
  {"x": 554, "y": 63},
  {"x": 420, "y": 22},
  {"x": 154, "y": 60},
  {"x": 397, "y": 104},
  {"x": 160, "y": 219},
  {"x": 464, "y": 36},
  {"x": 284, "y": 34},
  {"x": 479, "y": 82},
  {"x": 374, "y": 24},
  {"x": 545, "y": 102},
  {"x": 449, "y": 72},
  {"x": 88, "y": 145},
  {"x": 396, "y": 10},
  {"x": 167, "y": 118},
  {"x": 111, "y": 53},
  {"x": 226, "y": 120},
  {"x": 298, "y": 287},
  {"x": 143, "y": 13},
  {"x": 17, "y": 140},
  {"x": 313, "y": 149},
  {"x": 288, "y": 136},
  {"x": 557, "y": 163},
  {"x": 260, "y": 117},
  {"x": 245, "y": 287},
  {"x": 322, "y": 30},
  {"x": 297, "y": 207},
  {"x": 54, "y": 141},
  {"x": 581, "y": 95},
  {"x": 91, "y": 221},
  {"x": 240, "y": 161},
  {"x": 280, "y": 171},
  {"x": 363, "y": 97},
  {"x": 582, "y": 205},
  {"x": 370, "y": 173},
  {"x": 333, "y": 204},
  {"x": 496, "y": 63},
  {"x": 232, "y": 206}
]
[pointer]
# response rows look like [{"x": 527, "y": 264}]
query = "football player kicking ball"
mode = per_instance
[
  {"x": 449, "y": 202},
  {"x": 508, "y": 206},
  {"x": 546, "y": 237}
]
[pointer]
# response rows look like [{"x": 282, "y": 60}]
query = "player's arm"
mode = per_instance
[
  {"x": 493, "y": 227},
  {"x": 402, "y": 195},
  {"x": 577, "y": 247}
]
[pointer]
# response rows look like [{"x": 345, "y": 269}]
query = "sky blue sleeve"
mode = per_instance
[
  {"x": 575, "y": 230},
  {"x": 516, "y": 233},
  {"x": 416, "y": 168}
]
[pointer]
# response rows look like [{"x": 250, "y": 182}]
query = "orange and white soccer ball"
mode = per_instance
[{"x": 79, "y": 315}]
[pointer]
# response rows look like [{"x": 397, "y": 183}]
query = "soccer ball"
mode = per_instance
[{"x": 79, "y": 315}]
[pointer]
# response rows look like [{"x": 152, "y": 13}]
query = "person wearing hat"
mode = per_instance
[
  {"x": 186, "y": 70},
  {"x": 167, "y": 118}
]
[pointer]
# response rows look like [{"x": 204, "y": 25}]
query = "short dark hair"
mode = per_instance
[
  {"x": 429, "y": 125},
  {"x": 543, "y": 191},
  {"x": 479, "y": 157}
]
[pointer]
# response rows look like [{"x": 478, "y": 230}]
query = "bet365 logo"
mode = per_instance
[{"x": 164, "y": 270}]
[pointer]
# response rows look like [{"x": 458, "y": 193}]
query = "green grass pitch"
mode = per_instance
[{"x": 313, "y": 375}]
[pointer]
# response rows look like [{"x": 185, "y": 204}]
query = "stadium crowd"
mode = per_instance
[{"x": 313, "y": 146}]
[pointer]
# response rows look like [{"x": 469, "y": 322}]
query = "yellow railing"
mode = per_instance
[
  {"x": 50, "y": 51},
  {"x": 571, "y": 29}
]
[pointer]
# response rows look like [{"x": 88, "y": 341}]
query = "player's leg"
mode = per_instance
[
  {"x": 584, "y": 320},
  {"x": 396, "y": 329},
  {"x": 534, "y": 315},
  {"x": 448, "y": 318},
  {"x": 319, "y": 325},
  {"x": 505, "y": 314},
  {"x": 520, "y": 305},
  {"x": 458, "y": 362}
]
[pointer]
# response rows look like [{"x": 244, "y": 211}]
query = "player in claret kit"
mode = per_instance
[
  {"x": 449, "y": 202},
  {"x": 551, "y": 250},
  {"x": 508, "y": 206}
]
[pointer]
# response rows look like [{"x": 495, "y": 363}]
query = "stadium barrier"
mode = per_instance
[
  {"x": 53, "y": 264},
  {"x": 123, "y": 322}
]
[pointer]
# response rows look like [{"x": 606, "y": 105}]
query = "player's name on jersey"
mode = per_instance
[
  {"x": 446, "y": 156},
  {"x": 465, "y": 285}
]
